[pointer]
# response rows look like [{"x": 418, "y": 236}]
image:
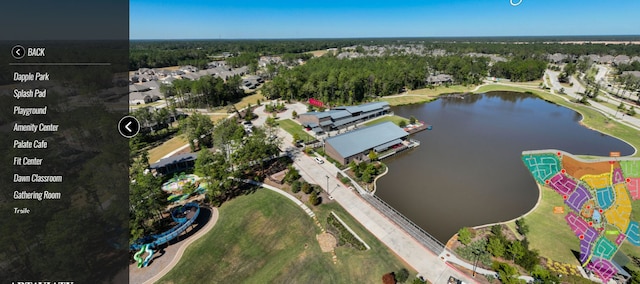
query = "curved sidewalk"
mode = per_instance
[{"x": 181, "y": 247}]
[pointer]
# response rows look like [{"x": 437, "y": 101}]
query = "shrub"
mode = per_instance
[
  {"x": 315, "y": 199},
  {"x": 464, "y": 236},
  {"x": 306, "y": 187},
  {"x": 388, "y": 278},
  {"x": 402, "y": 275},
  {"x": 344, "y": 236},
  {"x": 402, "y": 123},
  {"x": 295, "y": 186},
  {"x": 522, "y": 228}
]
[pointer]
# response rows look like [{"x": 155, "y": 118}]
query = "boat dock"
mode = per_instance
[{"x": 414, "y": 128}]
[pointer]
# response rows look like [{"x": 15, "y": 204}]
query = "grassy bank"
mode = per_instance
[
  {"x": 549, "y": 232},
  {"x": 424, "y": 95},
  {"x": 393, "y": 118},
  {"x": 172, "y": 144},
  {"x": 265, "y": 238},
  {"x": 294, "y": 128}
]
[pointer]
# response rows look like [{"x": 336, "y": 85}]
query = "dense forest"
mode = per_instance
[
  {"x": 152, "y": 54},
  {"x": 346, "y": 81},
  {"x": 519, "y": 70},
  {"x": 208, "y": 91}
]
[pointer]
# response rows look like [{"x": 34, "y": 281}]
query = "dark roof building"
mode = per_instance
[
  {"x": 175, "y": 163},
  {"x": 356, "y": 145},
  {"x": 342, "y": 116},
  {"x": 439, "y": 79}
]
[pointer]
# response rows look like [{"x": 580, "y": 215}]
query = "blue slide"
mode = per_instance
[
  {"x": 156, "y": 240},
  {"x": 148, "y": 258}
]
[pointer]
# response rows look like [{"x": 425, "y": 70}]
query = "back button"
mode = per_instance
[{"x": 128, "y": 126}]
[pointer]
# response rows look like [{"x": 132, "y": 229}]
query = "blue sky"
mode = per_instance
[{"x": 198, "y": 19}]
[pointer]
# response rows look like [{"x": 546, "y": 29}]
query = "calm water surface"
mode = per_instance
[{"x": 468, "y": 171}]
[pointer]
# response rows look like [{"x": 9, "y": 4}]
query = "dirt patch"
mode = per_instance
[
  {"x": 578, "y": 169},
  {"x": 327, "y": 242}
]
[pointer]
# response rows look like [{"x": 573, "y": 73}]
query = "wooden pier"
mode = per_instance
[{"x": 413, "y": 128}]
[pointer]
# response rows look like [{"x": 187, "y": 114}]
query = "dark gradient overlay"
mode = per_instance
[{"x": 79, "y": 234}]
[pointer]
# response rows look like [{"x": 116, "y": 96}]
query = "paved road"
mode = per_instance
[
  {"x": 601, "y": 78},
  {"x": 428, "y": 264},
  {"x": 573, "y": 91}
]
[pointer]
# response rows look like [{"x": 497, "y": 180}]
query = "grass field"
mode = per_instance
[
  {"x": 292, "y": 127},
  {"x": 549, "y": 233},
  {"x": 215, "y": 117},
  {"x": 264, "y": 238},
  {"x": 167, "y": 147},
  {"x": 251, "y": 99},
  {"x": 424, "y": 95},
  {"x": 318, "y": 53},
  {"x": 393, "y": 118}
]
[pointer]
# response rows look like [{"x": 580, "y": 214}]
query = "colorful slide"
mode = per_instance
[
  {"x": 138, "y": 256},
  {"x": 147, "y": 243},
  {"x": 148, "y": 258}
]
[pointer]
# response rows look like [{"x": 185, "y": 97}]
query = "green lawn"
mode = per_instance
[
  {"x": 167, "y": 147},
  {"x": 549, "y": 232},
  {"x": 261, "y": 238},
  {"x": 293, "y": 127},
  {"x": 425, "y": 95},
  {"x": 393, "y": 118}
]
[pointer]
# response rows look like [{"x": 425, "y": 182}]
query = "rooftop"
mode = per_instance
[
  {"x": 357, "y": 141},
  {"x": 174, "y": 160}
]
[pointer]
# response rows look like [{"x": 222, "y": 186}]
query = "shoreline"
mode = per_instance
[{"x": 524, "y": 91}]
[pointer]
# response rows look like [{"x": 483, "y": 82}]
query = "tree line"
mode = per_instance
[
  {"x": 519, "y": 70},
  {"x": 348, "y": 81},
  {"x": 154, "y": 54},
  {"x": 207, "y": 91}
]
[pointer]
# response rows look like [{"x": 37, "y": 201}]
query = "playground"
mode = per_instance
[
  {"x": 156, "y": 254},
  {"x": 182, "y": 186}
]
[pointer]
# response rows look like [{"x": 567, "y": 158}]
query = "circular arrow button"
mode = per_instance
[
  {"x": 18, "y": 52},
  {"x": 128, "y": 126}
]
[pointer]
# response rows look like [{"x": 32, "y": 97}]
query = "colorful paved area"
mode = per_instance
[{"x": 598, "y": 194}]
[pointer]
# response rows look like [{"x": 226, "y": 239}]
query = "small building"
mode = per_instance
[
  {"x": 621, "y": 59},
  {"x": 342, "y": 116},
  {"x": 439, "y": 79},
  {"x": 632, "y": 73},
  {"x": 174, "y": 164},
  {"x": 606, "y": 59},
  {"x": 356, "y": 145},
  {"x": 557, "y": 58}
]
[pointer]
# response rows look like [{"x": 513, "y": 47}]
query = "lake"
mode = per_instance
[{"x": 468, "y": 171}]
